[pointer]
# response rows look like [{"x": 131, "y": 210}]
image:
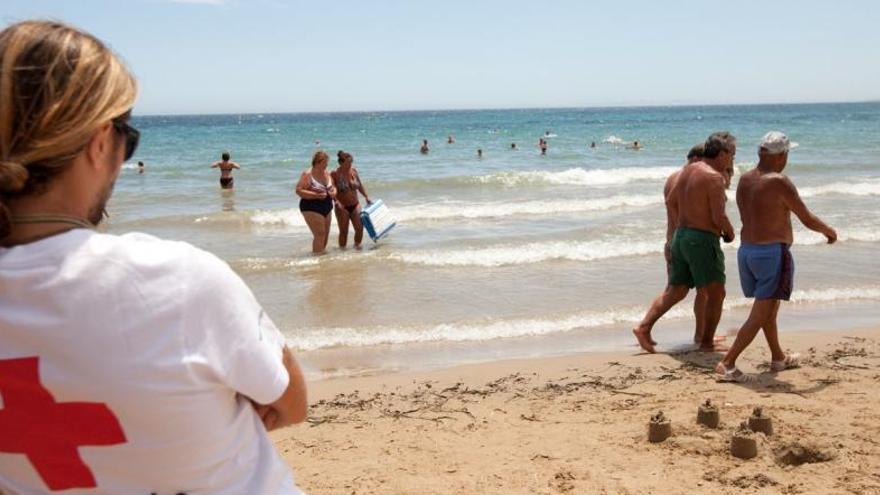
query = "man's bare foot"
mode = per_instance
[
  {"x": 715, "y": 347},
  {"x": 641, "y": 328},
  {"x": 718, "y": 338},
  {"x": 644, "y": 339}
]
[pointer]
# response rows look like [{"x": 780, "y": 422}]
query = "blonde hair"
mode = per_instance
[
  {"x": 58, "y": 85},
  {"x": 319, "y": 157}
]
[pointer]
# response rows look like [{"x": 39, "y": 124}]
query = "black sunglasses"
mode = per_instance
[{"x": 132, "y": 136}]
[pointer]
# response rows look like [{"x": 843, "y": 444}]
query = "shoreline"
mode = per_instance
[
  {"x": 673, "y": 333},
  {"x": 577, "y": 424}
]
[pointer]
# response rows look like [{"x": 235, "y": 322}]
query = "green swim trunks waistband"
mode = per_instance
[{"x": 689, "y": 232}]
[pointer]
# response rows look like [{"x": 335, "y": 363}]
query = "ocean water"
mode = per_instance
[{"x": 511, "y": 255}]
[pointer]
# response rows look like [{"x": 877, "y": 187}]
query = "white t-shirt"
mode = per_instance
[{"x": 126, "y": 364}]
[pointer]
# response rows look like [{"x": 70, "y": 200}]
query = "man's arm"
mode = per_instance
[
  {"x": 717, "y": 203},
  {"x": 235, "y": 165},
  {"x": 215, "y": 165},
  {"x": 793, "y": 201},
  {"x": 292, "y": 406},
  {"x": 671, "y": 209}
]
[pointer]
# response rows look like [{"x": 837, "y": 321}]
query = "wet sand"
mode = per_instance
[{"x": 578, "y": 424}]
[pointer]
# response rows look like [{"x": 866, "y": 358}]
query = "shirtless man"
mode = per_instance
[
  {"x": 226, "y": 167},
  {"x": 424, "y": 149},
  {"x": 766, "y": 200},
  {"x": 697, "y": 200},
  {"x": 672, "y": 294}
]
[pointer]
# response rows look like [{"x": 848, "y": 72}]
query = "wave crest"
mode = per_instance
[{"x": 578, "y": 176}]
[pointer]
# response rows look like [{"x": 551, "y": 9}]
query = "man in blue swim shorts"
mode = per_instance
[{"x": 766, "y": 200}]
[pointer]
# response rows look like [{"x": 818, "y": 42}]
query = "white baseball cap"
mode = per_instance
[{"x": 775, "y": 142}]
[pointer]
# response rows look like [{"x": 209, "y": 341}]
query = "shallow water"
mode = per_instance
[{"x": 512, "y": 254}]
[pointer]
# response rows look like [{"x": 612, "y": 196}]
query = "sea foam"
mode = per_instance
[
  {"x": 531, "y": 253},
  {"x": 579, "y": 176},
  {"x": 867, "y": 188},
  {"x": 325, "y": 337},
  {"x": 449, "y": 210}
]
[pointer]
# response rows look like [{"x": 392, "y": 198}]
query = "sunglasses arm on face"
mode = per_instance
[{"x": 132, "y": 135}]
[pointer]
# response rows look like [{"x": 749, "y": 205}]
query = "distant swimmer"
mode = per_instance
[
  {"x": 766, "y": 199},
  {"x": 513, "y": 146},
  {"x": 672, "y": 294},
  {"x": 348, "y": 183},
  {"x": 450, "y": 140},
  {"x": 542, "y": 143},
  {"x": 315, "y": 188},
  {"x": 226, "y": 167},
  {"x": 635, "y": 146},
  {"x": 424, "y": 149},
  {"x": 141, "y": 168},
  {"x": 593, "y": 144},
  {"x": 479, "y": 153}
]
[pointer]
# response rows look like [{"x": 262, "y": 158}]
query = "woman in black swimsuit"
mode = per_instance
[
  {"x": 315, "y": 187},
  {"x": 348, "y": 183}
]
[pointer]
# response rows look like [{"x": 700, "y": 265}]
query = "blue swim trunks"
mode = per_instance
[{"x": 766, "y": 271}]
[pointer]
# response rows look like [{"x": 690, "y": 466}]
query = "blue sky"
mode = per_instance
[{"x": 236, "y": 56}]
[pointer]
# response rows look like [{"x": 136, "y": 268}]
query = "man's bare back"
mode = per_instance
[
  {"x": 697, "y": 200},
  {"x": 766, "y": 200},
  {"x": 762, "y": 200}
]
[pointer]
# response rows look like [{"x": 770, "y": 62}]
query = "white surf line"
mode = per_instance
[{"x": 326, "y": 337}]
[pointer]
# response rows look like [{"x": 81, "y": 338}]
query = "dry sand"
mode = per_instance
[{"x": 578, "y": 424}]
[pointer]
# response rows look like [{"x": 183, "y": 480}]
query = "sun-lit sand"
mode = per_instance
[{"x": 578, "y": 424}]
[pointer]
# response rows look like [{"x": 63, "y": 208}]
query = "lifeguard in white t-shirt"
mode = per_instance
[{"x": 128, "y": 364}]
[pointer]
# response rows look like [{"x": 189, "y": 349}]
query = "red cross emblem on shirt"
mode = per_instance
[{"x": 48, "y": 432}]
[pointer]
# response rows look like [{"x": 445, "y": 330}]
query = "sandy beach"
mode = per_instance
[{"x": 578, "y": 424}]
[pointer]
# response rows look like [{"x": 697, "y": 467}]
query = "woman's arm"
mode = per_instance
[
  {"x": 361, "y": 187},
  {"x": 331, "y": 187}
]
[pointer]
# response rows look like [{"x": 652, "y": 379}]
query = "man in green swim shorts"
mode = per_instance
[{"x": 698, "y": 200}]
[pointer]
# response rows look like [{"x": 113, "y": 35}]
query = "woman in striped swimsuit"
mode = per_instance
[{"x": 315, "y": 188}]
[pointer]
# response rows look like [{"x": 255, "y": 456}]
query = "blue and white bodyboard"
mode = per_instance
[{"x": 377, "y": 220}]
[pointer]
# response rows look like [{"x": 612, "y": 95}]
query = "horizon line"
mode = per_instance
[{"x": 596, "y": 107}]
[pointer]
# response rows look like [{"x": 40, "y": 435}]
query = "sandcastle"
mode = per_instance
[
  {"x": 707, "y": 414},
  {"x": 659, "y": 428},
  {"x": 758, "y": 422},
  {"x": 743, "y": 444}
]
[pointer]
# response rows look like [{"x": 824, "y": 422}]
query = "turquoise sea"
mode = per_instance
[{"x": 511, "y": 255}]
